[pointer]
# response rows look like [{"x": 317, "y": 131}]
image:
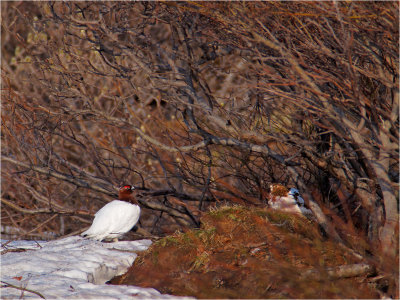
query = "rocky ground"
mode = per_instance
[{"x": 251, "y": 253}]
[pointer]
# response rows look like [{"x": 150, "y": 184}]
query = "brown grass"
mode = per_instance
[{"x": 246, "y": 253}]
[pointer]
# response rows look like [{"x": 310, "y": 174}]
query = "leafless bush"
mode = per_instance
[{"x": 197, "y": 103}]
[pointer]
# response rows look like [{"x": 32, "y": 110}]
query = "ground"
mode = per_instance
[
  {"x": 244, "y": 252},
  {"x": 69, "y": 268}
]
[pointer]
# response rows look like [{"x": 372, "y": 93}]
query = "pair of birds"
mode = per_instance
[{"x": 119, "y": 216}]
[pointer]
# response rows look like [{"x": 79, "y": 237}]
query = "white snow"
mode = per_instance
[{"x": 71, "y": 268}]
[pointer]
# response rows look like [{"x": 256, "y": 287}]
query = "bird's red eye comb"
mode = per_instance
[{"x": 128, "y": 187}]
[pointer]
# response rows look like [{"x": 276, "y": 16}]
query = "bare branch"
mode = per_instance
[{"x": 22, "y": 289}]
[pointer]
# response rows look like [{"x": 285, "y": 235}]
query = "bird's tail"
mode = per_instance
[{"x": 85, "y": 233}]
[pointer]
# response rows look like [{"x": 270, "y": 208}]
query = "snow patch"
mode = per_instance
[{"x": 73, "y": 267}]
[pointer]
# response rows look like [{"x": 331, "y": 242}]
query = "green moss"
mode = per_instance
[
  {"x": 139, "y": 260},
  {"x": 276, "y": 216},
  {"x": 187, "y": 240},
  {"x": 233, "y": 217},
  {"x": 154, "y": 257},
  {"x": 226, "y": 211},
  {"x": 167, "y": 241},
  {"x": 260, "y": 213},
  {"x": 294, "y": 224},
  {"x": 200, "y": 261},
  {"x": 206, "y": 235}
]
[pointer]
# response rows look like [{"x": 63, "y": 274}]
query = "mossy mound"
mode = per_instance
[{"x": 244, "y": 252}]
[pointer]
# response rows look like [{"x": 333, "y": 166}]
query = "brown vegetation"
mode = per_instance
[
  {"x": 202, "y": 103},
  {"x": 251, "y": 253}
]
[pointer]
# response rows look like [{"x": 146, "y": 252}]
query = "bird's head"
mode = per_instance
[
  {"x": 277, "y": 189},
  {"x": 126, "y": 192}
]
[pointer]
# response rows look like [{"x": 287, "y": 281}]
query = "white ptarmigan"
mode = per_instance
[
  {"x": 115, "y": 218},
  {"x": 287, "y": 200}
]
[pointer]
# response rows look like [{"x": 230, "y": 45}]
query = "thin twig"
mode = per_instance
[
  {"x": 40, "y": 211},
  {"x": 58, "y": 175},
  {"x": 34, "y": 229},
  {"x": 22, "y": 289}
]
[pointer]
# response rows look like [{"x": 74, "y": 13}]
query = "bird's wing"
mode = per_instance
[
  {"x": 126, "y": 217},
  {"x": 300, "y": 200},
  {"x": 113, "y": 217}
]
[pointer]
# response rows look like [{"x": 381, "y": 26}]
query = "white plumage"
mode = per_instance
[{"x": 113, "y": 220}]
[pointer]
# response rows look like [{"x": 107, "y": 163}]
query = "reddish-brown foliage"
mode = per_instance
[
  {"x": 205, "y": 103},
  {"x": 248, "y": 253}
]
